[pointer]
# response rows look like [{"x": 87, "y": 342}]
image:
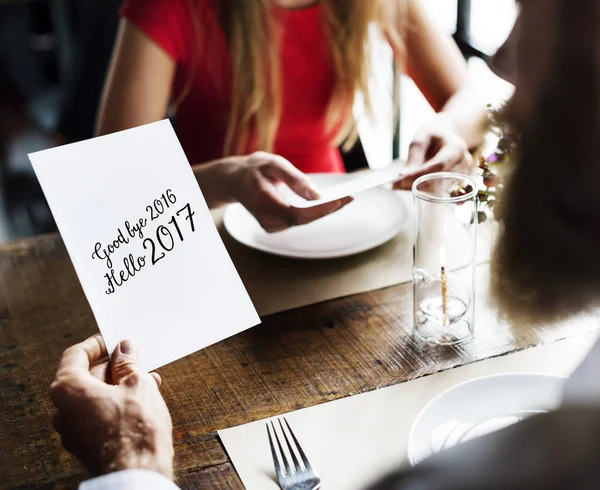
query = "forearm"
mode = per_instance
[
  {"x": 438, "y": 68},
  {"x": 468, "y": 115},
  {"x": 216, "y": 180}
]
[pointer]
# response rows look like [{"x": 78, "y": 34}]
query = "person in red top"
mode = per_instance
[{"x": 262, "y": 90}]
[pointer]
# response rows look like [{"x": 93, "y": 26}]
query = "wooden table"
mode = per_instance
[{"x": 294, "y": 359}]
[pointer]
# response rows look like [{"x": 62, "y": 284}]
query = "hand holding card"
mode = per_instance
[
  {"x": 262, "y": 180},
  {"x": 143, "y": 243}
]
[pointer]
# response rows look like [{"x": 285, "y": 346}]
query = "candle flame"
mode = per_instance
[{"x": 442, "y": 256}]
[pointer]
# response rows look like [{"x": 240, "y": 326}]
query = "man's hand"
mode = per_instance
[{"x": 111, "y": 416}]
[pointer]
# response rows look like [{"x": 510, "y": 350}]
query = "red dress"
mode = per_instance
[{"x": 204, "y": 65}]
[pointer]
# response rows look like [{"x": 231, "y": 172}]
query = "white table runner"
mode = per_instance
[{"x": 356, "y": 440}]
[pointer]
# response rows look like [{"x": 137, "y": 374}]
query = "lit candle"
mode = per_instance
[{"x": 444, "y": 286}]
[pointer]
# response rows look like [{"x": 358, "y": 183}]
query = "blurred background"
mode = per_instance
[{"x": 53, "y": 60}]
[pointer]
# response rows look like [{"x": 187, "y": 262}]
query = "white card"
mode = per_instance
[
  {"x": 169, "y": 284},
  {"x": 362, "y": 182}
]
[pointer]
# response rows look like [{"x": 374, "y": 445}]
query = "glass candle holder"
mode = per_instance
[{"x": 444, "y": 257}]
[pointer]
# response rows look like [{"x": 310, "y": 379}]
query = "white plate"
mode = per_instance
[
  {"x": 481, "y": 406},
  {"x": 374, "y": 217}
]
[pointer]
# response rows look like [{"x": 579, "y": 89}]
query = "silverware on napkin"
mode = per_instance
[{"x": 296, "y": 477}]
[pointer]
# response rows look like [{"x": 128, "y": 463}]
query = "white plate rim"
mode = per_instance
[
  {"x": 230, "y": 208},
  {"x": 411, "y": 435}
]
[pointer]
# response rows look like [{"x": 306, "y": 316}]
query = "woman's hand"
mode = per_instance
[
  {"x": 436, "y": 147},
  {"x": 111, "y": 416},
  {"x": 254, "y": 180}
]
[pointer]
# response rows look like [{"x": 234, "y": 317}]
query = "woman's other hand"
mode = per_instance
[{"x": 436, "y": 147}]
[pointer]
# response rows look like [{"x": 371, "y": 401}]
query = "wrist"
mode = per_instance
[
  {"x": 467, "y": 115},
  {"x": 219, "y": 179},
  {"x": 145, "y": 451},
  {"x": 145, "y": 460},
  {"x": 447, "y": 118},
  {"x": 454, "y": 124},
  {"x": 233, "y": 175}
]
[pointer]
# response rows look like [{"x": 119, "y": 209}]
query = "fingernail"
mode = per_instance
[
  {"x": 309, "y": 194},
  {"x": 127, "y": 347}
]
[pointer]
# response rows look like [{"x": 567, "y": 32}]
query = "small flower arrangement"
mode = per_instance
[{"x": 496, "y": 165}]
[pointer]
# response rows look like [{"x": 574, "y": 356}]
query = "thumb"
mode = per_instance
[
  {"x": 124, "y": 362},
  {"x": 417, "y": 150}
]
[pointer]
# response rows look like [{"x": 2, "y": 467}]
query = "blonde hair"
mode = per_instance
[{"x": 252, "y": 35}]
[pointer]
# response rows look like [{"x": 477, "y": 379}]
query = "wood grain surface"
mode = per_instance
[{"x": 295, "y": 359}]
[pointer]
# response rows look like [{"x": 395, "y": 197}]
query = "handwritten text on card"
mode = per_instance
[{"x": 162, "y": 240}]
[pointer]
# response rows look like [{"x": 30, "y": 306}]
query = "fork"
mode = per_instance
[{"x": 296, "y": 478}]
